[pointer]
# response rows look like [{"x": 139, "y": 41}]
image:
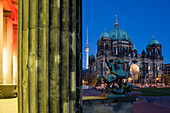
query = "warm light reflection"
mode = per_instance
[
  {"x": 157, "y": 78},
  {"x": 129, "y": 79},
  {"x": 4, "y": 65},
  {"x": 83, "y": 82},
  {"x": 14, "y": 69},
  {"x": 134, "y": 68},
  {"x": 149, "y": 67}
]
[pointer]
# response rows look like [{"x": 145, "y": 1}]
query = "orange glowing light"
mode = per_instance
[
  {"x": 130, "y": 78},
  {"x": 157, "y": 78}
]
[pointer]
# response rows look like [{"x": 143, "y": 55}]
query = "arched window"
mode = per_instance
[
  {"x": 113, "y": 36},
  {"x": 102, "y": 46},
  {"x": 116, "y": 51},
  {"x": 149, "y": 68},
  {"x": 124, "y": 37},
  {"x": 107, "y": 46},
  {"x": 157, "y": 52}
]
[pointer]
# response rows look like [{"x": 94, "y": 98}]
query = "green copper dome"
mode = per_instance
[
  {"x": 153, "y": 41},
  {"x": 134, "y": 48},
  {"x": 119, "y": 34},
  {"x": 91, "y": 54},
  {"x": 105, "y": 35}
]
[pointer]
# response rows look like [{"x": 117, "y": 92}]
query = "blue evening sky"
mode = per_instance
[{"x": 140, "y": 18}]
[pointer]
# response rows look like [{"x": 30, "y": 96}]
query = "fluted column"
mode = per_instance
[
  {"x": 7, "y": 48},
  {"x": 1, "y": 42},
  {"x": 49, "y": 56},
  {"x": 14, "y": 50}
]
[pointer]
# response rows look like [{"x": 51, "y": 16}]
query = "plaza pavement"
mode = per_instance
[
  {"x": 8, "y": 105},
  {"x": 160, "y": 104}
]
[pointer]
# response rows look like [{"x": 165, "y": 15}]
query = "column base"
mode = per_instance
[{"x": 7, "y": 90}]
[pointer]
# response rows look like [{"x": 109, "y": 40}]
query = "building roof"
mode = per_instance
[
  {"x": 134, "y": 48},
  {"x": 91, "y": 54},
  {"x": 105, "y": 35},
  {"x": 153, "y": 41},
  {"x": 119, "y": 34}
]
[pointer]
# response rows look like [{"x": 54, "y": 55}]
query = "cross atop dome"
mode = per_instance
[
  {"x": 153, "y": 36},
  {"x": 116, "y": 18},
  {"x": 116, "y": 24}
]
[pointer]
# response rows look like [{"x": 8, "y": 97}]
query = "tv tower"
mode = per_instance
[{"x": 87, "y": 51}]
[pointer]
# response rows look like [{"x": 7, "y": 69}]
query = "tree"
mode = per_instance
[
  {"x": 92, "y": 79},
  {"x": 166, "y": 79}
]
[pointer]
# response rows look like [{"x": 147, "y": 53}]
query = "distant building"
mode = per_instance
[
  {"x": 167, "y": 69},
  {"x": 144, "y": 67}
]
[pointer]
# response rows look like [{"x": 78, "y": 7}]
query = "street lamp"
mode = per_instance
[{"x": 157, "y": 80}]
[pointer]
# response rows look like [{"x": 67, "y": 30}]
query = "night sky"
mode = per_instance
[{"x": 141, "y": 19}]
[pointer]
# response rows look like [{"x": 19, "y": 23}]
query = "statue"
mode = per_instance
[{"x": 115, "y": 77}]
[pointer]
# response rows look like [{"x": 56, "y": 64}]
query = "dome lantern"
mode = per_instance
[
  {"x": 153, "y": 41},
  {"x": 104, "y": 34},
  {"x": 116, "y": 24},
  {"x": 134, "y": 48}
]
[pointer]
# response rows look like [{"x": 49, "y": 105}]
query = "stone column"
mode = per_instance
[
  {"x": 7, "y": 47},
  {"x": 14, "y": 45},
  {"x": 1, "y": 43},
  {"x": 49, "y": 56}
]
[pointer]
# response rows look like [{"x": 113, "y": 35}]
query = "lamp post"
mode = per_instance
[
  {"x": 157, "y": 80},
  {"x": 145, "y": 79}
]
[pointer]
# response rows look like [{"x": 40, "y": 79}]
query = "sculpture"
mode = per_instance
[{"x": 115, "y": 77}]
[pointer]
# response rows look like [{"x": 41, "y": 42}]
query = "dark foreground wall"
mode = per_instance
[
  {"x": 111, "y": 105},
  {"x": 49, "y": 56}
]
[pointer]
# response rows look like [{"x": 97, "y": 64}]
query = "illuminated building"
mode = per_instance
[
  {"x": 146, "y": 66},
  {"x": 8, "y": 41},
  {"x": 167, "y": 69}
]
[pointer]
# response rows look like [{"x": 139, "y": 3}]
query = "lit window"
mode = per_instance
[{"x": 149, "y": 67}]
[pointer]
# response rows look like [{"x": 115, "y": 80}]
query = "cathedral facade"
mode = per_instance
[{"x": 145, "y": 68}]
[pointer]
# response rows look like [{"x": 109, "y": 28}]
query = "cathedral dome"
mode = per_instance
[
  {"x": 119, "y": 34},
  {"x": 134, "y": 48},
  {"x": 153, "y": 41},
  {"x": 91, "y": 55},
  {"x": 105, "y": 35}
]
